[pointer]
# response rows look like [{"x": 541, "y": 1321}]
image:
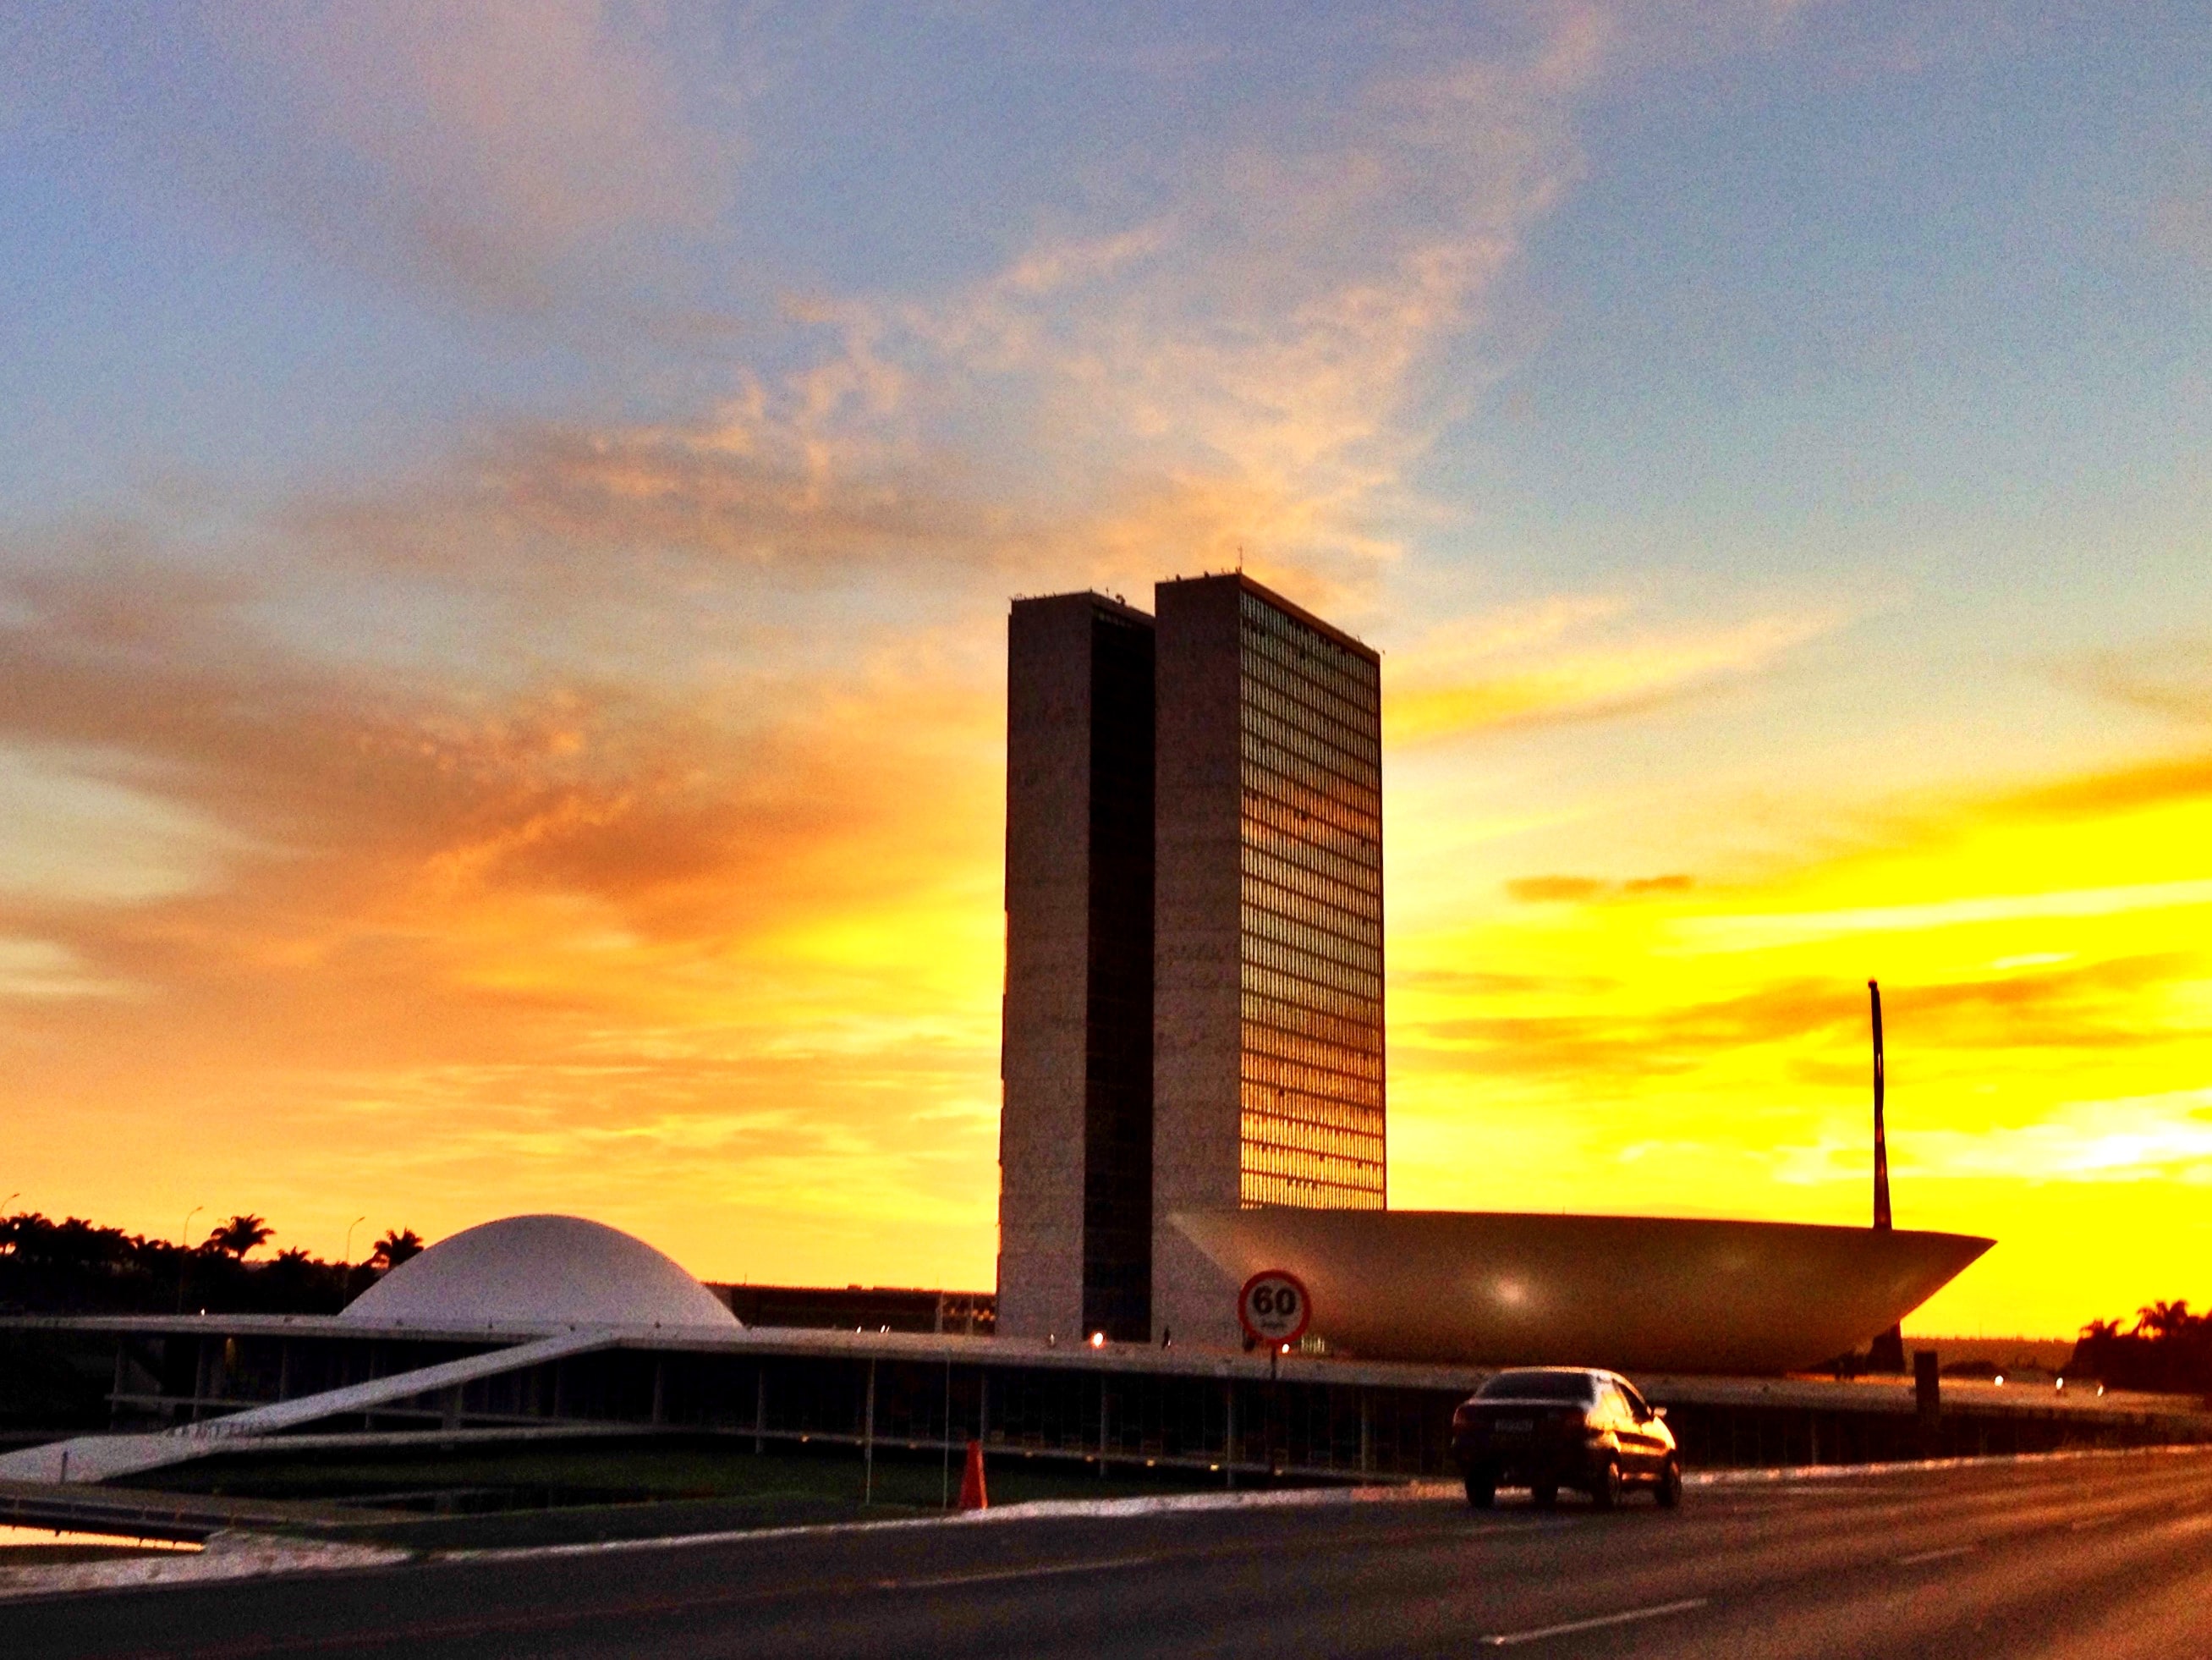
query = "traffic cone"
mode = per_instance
[{"x": 972, "y": 1496}]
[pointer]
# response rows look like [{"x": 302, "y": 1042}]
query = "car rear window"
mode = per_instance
[{"x": 1537, "y": 1386}]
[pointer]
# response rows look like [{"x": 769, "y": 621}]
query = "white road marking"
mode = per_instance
[
  {"x": 1827, "y": 1489},
  {"x": 2191, "y": 1525},
  {"x": 2088, "y": 1522},
  {"x": 1506, "y": 1639},
  {"x": 1943, "y": 1555},
  {"x": 994, "y": 1576}
]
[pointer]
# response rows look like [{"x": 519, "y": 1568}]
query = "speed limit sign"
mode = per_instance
[{"x": 1274, "y": 1307}]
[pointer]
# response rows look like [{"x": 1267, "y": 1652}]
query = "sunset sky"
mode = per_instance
[{"x": 508, "y": 511}]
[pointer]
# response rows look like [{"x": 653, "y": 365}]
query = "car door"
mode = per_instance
[{"x": 1644, "y": 1449}]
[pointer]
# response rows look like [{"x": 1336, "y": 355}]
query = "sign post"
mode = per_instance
[{"x": 1274, "y": 1309}]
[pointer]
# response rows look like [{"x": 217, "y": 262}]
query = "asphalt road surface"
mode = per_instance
[{"x": 2105, "y": 1558}]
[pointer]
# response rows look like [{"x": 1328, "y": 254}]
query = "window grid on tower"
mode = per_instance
[{"x": 1312, "y": 1074}]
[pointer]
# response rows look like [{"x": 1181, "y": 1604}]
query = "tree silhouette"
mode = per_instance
[
  {"x": 2167, "y": 1350},
  {"x": 240, "y": 1236},
  {"x": 396, "y": 1247},
  {"x": 2164, "y": 1319},
  {"x": 74, "y": 1266}
]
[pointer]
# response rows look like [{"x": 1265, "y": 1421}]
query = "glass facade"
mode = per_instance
[{"x": 1311, "y": 812}]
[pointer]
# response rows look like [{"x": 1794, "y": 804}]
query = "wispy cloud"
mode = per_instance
[
  {"x": 1752, "y": 932},
  {"x": 2145, "y": 785},
  {"x": 1578, "y": 890},
  {"x": 2161, "y": 1138},
  {"x": 1572, "y": 659},
  {"x": 500, "y": 152},
  {"x": 2171, "y": 676},
  {"x": 2085, "y": 1006},
  {"x": 1242, "y": 373}
]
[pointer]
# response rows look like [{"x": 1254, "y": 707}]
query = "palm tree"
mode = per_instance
[
  {"x": 2163, "y": 1319},
  {"x": 240, "y": 1236},
  {"x": 396, "y": 1247}
]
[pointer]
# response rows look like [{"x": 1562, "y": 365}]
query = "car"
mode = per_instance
[{"x": 1548, "y": 1427}]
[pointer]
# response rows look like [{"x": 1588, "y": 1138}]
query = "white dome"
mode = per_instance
[{"x": 538, "y": 1271}]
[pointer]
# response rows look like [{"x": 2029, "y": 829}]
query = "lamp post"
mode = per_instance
[
  {"x": 1881, "y": 1137},
  {"x": 184, "y": 1263},
  {"x": 1886, "y": 1353},
  {"x": 345, "y": 1267}
]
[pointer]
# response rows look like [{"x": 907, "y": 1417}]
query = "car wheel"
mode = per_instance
[
  {"x": 1605, "y": 1493},
  {"x": 1669, "y": 1490},
  {"x": 1482, "y": 1489},
  {"x": 1543, "y": 1494}
]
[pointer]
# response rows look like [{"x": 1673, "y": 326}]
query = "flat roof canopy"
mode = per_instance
[{"x": 1636, "y": 1292}]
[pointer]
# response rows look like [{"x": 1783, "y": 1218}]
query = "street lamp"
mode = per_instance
[
  {"x": 184, "y": 1263},
  {"x": 347, "y": 1259}
]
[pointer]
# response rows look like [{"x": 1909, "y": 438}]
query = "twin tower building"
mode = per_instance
[{"x": 1193, "y": 998}]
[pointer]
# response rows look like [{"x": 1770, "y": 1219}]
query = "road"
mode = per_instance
[{"x": 2109, "y": 1558}]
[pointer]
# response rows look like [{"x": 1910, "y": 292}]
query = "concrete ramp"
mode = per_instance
[{"x": 103, "y": 1458}]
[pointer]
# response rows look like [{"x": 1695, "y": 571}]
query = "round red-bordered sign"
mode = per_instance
[{"x": 1274, "y": 1306}]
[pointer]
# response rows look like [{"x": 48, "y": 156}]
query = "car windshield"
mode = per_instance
[{"x": 1537, "y": 1386}]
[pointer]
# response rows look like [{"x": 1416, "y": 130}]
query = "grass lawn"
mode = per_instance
[{"x": 630, "y": 1487}]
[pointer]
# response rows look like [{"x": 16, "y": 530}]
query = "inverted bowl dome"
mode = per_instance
[
  {"x": 534, "y": 1271},
  {"x": 1637, "y": 1293}
]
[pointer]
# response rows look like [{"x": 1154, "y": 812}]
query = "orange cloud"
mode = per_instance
[
  {"x": 1541, "y": 890},
  {"x": 2083, "y": 1007},
  {"x": 473, "y": 945}
]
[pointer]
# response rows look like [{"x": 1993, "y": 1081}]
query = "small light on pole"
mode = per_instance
[
  {"x": 183, "y": 1265},
  {"x": 1097, "y": 1339}
]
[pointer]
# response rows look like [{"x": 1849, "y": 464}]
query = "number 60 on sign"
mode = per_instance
[{"x": 1274, "y": 1307}]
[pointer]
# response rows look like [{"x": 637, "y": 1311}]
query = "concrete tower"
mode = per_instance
[
  {"x": 1193, "y": 1004},
  {"x": 1268, "y": 954},
  {"x": 1075, "y": 1148}
]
